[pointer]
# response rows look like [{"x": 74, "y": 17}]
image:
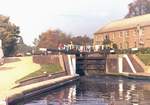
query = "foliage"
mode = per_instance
[
  {"x": 82, "y": 40},
  {"x": 8, "y": 34},
  {"x": 124, "y": 51},
  {"x": 130, "y": 51},
  {"x": 23, "y": 48},
  {"x": 107, "y": 42},
  {"x": 52, "y": 38},
  {"x": 9, "y": 46},
  {"x": 138, "y": 7},
  {"x": 144, "y": 50},
  {"x": 115, "y": 46}
]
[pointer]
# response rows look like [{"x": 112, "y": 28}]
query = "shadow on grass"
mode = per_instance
[
  {"x": 46, "y": 69},
  {"x": 10, "y": 60},
  {"x": 6, "y": 68}
]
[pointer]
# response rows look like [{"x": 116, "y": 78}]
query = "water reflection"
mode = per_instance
[
  {"x": 120, "y": 89},
  {"x": 97, "y": 91}
]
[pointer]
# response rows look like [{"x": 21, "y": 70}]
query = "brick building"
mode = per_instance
[{"x": 127, "y": 33}]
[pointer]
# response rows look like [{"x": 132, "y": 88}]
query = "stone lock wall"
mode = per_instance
[
  {"x": 67, "y": 62},
  {"x": 123, "y": 63},
  {"x": 46, "y": 59}
]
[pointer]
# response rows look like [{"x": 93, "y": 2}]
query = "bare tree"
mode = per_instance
[{"x": 138, "y": 7}]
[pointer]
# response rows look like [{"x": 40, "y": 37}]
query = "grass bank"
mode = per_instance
[
  {"x": 44, "y": 70},
  {"x": 145, "y": 58}
]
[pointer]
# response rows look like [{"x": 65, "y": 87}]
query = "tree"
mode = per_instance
[
  {"x": 37, "y": 40},
  {"x": 138, "y": 7},
  {"x": 106, "y": 41},
  {"x": 22, "y": 48},
  {"x": 82, "y": 40},
  {"x": 115, "y": 46},
  {"x": 8, "y": 34},
  {"x": 52, "y": 38}
]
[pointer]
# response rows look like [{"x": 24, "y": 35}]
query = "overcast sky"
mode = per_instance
[{"x": 78, "y": 17}]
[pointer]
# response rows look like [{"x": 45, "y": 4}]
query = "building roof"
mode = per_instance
[{"x": 143, "y": 20}]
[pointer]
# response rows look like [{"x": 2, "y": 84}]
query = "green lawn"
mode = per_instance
[
  {"x": 145, "y": 58},
  {"x": 45, "y": 69}
]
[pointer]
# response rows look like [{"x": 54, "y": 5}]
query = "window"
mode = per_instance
[
  {"x": 135, "y": 32},
  {"x": 120, "y": 45},
  {"x": 138, "y": 32},
  {"x": 95, "y": 37},
  {"x": 142, "y": 33},
  {"x": 135, "y": 45},
  {"x": 120, "y": 34},
  {"x": 97, "y": 42},
  {"x": 113, "y": 36},
  {"x": 127, "y": 45},
  {"x": 126, "y": 33},
  {"x": 106, "y": 36}
]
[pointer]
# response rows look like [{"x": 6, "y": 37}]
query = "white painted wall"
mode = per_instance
[
  {"x": 120, "y": 63},
  {"x": 72, "y": 64},
  {"x": 130, "y": 63}
]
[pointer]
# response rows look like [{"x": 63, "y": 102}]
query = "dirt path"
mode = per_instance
[{"x": 14, "y": 69}]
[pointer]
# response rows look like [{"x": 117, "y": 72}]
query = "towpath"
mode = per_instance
[{"x": 14, "y": 69}]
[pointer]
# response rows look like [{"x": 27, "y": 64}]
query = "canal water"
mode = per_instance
[{"x": 98, "y": 90}]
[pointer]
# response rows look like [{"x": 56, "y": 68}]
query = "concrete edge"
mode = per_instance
[
  {"x": 40, "y": 76},
  {"x": 130, "y": 76},
  {"x": 28, "y": 92}
]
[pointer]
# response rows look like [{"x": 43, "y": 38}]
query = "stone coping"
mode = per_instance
[
  {"x": 33, "y": 89},
  {"x": 141, "y": 76}
]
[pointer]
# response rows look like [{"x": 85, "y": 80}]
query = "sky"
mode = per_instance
[{"x": 76, "y": 17}]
